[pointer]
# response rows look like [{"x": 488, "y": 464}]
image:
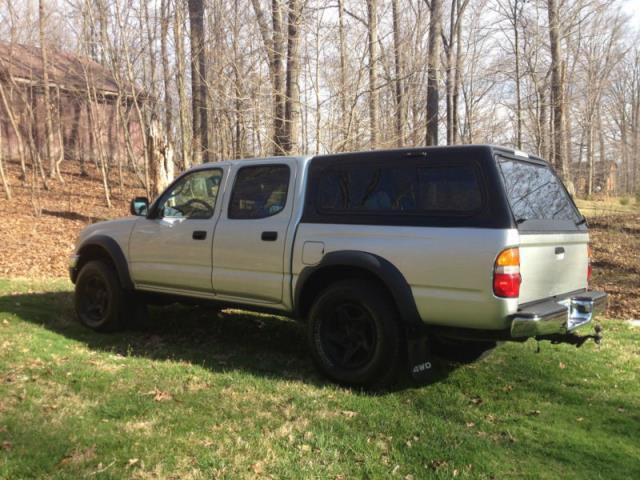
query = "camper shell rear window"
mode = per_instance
[{"x": 537, "y": 197}]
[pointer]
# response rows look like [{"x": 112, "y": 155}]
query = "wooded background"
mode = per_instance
[{"x": 209, "y": 80}]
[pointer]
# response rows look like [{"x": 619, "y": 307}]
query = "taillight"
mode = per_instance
[
  {"x": 506, "y": 274},
  {"x": 589, "y": 266}
]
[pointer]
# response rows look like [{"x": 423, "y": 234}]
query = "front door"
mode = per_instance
[
  {"x": 248, "y": 250},
  {"x": 173, "y": 249}
]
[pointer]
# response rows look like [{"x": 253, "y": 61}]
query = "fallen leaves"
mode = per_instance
[
  {"x": 349, "y": 413},
  {"x": 616, "y": 262},
  {"x": 66, "y": 209},
  {"x": 160, "y": 395},
  {"x": 79, "y": 456},
  {"x": 258, "y": 468}
]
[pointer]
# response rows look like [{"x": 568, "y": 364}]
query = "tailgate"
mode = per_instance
[
  {"x": 552, "y": 264},
  {"x": 554, "y": 256}
]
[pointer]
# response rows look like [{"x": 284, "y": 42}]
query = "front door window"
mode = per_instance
[{"x": 192, "y": 197}]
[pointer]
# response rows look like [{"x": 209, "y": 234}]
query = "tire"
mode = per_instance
[
  {"x": 100, "y": 301},
  {"x": 354, "y": 334},
  {"x": 461, "y": 351}
]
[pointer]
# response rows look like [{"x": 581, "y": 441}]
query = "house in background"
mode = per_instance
[
  {"x": 605, "y": 178},
  {"x": 93, "y": 116}
]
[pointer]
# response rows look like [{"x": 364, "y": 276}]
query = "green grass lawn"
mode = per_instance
[{"x": 197, "y": 395}]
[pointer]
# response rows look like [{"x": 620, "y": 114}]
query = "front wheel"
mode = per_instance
[
  {"x": 99, "y": 298},
  {"x": 354, "y": 334}
]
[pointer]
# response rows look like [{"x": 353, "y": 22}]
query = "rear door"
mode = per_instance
[
  {"x": 249, "y": 245},
  {"x": 553, "y": 237}
]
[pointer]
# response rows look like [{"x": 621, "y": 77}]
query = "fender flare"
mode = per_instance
[
  {"x": 387, "y": 273},
  {"x": 114, "y": 252}
]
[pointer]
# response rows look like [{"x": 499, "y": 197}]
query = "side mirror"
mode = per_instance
[{"x": 139, "y": 206}]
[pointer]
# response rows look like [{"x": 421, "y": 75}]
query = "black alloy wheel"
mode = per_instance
[
  {"x": 93, "y": 303},
  {"x": 99, "y": 297},
  {"x": 354, "y": 334},
  {"x": 349, "y": 336}
]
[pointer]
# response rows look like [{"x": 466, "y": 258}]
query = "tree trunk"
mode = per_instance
[
  {"x": 433, "y": 74},
  {"x": 449, "y": 74},
  {"x": 160, "y": 158},
  {"x": 455, "y": 122},
  {"x": 372, "y": 19},
  {"x": 292, "y": 102},
  {"x": 557, "y": 92},
  {"x": 185, "y": 142},
  {"x": 48, "y": 121},
  {"x": 3, "y": 177},
  {"x": 398, "y": 81},
  {"x": 278, "y": 76},
  {"x": 16, "y": 130},
  {"x": 516, "y": 48},
  {"x": 199, "y": 90},
  {"x": 165, "y": 8},
  {"x": 589, "y": 191},
  {"x": 343, "y": 77}
]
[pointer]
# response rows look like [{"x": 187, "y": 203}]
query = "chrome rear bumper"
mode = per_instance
[{"x": 558, "y": 315}]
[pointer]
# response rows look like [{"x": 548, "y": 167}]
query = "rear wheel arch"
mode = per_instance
[
  {"x": 337, "y": 266},
  {"x": 107, "y": 250}
]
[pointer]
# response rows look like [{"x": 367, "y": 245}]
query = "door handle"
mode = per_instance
[
  {"x": 269, "y": 236},
  {"x": 199, "y": 235},
  {"x": 559, "y": 250}
]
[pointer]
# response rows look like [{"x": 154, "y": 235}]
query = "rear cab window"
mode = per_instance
[
  {"x": 259, "y": 192},
  {"x": 412, "y": 189},
  {"x": 538, "y": 199}
]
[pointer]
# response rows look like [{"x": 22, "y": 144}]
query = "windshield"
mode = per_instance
[{"x": 536, "y": 193}]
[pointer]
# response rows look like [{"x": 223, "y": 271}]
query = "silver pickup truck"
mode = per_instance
[{"x": 387, "y": 256}]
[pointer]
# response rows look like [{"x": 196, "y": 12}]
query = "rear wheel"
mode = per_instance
[
  {"x": 99, "y": 298},
  {"x": 354, "y": 334}
]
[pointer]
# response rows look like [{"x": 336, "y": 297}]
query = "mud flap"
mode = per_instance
[{"x": 420, "y": 360}]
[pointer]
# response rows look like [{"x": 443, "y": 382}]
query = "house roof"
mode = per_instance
[{"x": 67, "y": 71}]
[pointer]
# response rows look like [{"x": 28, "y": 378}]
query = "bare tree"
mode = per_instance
[
  {"x": 557, "y": 91},
  {"x": 433, "y": 76},
  {"x": 48, "y": 116},
  {"x": 282, "y": 45},
  {"x": 399, "y": 72},
  {"x": 292, "y": 98},
  {"x": 372, "y": 24},
  {"x": 512, "y": 10},
  {"x": 199, "y": 89},
  {"x": 165, "y": 12},
  {"x": 3, "y": 177},
  {"x": 186, "y": 132},
  {"x": 11, "y": 115}
]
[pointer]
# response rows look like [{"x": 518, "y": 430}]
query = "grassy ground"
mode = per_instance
[
  {"x": 606, "y": 207},
  {"x": 235, "y": 396}
]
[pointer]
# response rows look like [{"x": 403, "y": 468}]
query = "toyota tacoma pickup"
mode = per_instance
[{"x": 387, "y": 256}]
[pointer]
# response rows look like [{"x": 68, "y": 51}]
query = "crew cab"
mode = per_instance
[{"x": 387, "y": 256}]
